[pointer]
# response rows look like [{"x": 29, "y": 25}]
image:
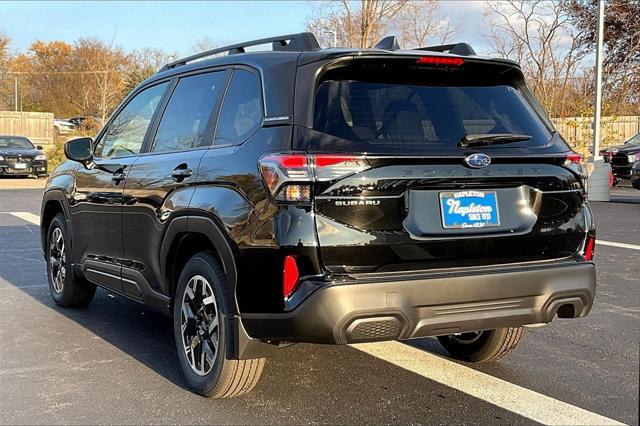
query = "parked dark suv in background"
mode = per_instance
[
  {"x": 327, "y": 196},
  {"x": 623, "y": 158}
]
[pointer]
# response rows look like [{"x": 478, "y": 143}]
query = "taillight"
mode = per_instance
[
  {"x": 290, "y": 276},
  {"x": 329, "y": 167},
  {"x": 574, "y": 161},
  {"x": 289, "y": 176},
  {"x": 589, "y": 248},
  {"x": 573, "y": 158},
  {"x": 440, "y": 60}
]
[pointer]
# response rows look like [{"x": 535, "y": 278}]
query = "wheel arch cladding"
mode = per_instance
[
  {"x": 188, "y": 235},
  {"x": 52, "y": 204}
]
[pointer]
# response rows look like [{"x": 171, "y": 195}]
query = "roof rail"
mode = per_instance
[
  {"x": 290, "y": 42},
  {"x": 462, "y": 49}
]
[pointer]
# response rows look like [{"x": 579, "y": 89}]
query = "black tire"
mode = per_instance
[
  {"x": 214, "y": 376},
  {"x": 484, "y": 346},
  {"x": 66, "y": 287}
]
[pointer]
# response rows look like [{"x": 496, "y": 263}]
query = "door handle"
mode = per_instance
[
  {"x": 181, "y": 172},
  {"x": 118, "y": 177}
]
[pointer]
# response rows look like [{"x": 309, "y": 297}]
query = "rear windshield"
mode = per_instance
[{"x": 416, "y": 118}]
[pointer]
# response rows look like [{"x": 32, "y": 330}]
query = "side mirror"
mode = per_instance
[
  {"x": 39, "y": 147},
  {"x": 79, "y": 149}
]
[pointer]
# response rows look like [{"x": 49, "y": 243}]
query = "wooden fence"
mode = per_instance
[
  {"x": 613, "y": 130},
  {"x": 37, "y": 126}
]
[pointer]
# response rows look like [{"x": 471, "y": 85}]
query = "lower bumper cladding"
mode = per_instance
[{"x": 390, "y": 310}]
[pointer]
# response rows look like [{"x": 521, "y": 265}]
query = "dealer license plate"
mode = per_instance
[{"x": 469, "y": 209}]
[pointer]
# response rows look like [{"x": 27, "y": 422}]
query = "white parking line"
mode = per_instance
[
  {"x": 29, "y": 217},
  {"x": 514, "y": 398},
  {"x": 621, "y": 245}
]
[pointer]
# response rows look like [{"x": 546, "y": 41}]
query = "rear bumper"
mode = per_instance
[{"x": 410, "y": 308}]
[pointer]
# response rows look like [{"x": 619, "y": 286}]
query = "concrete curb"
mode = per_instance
[{"x": 24, "y": 183}]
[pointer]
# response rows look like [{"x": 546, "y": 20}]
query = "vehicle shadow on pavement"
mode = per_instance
[
  {"x": 319, "y": 382},
  {"x": 299, "y": 383},
  {"x": 137, "y": 331}
]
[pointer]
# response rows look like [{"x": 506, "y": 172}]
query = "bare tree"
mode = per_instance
[
  {"x": 5, "y": 78},
  {"x": 148, "y": 57},
  {"x": 107, "y": 66},
  {"x": 356, "y": 24},
  {"x": 621, "y": 72},
  {"x": 421, "y": 23},
  {"x": 143, "y": 63},
  {"x": 540, "y": 35},
  {"x": 203, "y": 44}
]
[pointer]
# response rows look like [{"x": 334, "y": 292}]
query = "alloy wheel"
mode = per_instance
[
  {"x": 57, "y": 260},
  {"x": 200, "y": 325}
]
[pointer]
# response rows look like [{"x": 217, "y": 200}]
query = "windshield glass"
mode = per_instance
[
  {"x": 409, "y": 118},
  {"x": 11, "y": 142},
  {"x": 634, "y": 140}
]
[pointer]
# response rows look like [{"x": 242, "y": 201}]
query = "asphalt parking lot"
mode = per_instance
[{"x": 115, "y": 361}]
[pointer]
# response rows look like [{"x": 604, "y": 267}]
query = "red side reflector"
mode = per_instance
[
  {"x": 290, "y": 276},
  {"x": 589, "y": 248},
  {"x": 440, "y": 60}
]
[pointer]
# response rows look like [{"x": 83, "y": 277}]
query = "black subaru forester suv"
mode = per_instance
[{"x": 330, "y": 196}]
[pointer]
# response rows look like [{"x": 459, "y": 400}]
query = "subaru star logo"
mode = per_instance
[{"x": 478, "y": 161}]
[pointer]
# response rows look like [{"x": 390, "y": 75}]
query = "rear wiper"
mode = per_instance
[{"x": 492, "y": 139}]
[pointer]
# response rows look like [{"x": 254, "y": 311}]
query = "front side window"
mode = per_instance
[
  {"x": 241, "y": 112},
  {"x": 634, "y": 140},
  {"x": 187, "y": 119},
  {"x": 126, "y": 132}
]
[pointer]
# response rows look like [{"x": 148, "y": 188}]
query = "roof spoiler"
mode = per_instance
[
  {"x": 291, "y": 42},
  {"x": 462, "y": 49}
]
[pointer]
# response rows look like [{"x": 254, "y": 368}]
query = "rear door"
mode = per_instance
[
  {"x": 161, "y": 182},
  {"x": 426, "y": 201}
]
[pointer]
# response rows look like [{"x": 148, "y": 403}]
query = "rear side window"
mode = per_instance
[
  {"x": 241, "y": 112},
  {"x": 186, "y": 122},
  {"x": 420, "y": 118}
]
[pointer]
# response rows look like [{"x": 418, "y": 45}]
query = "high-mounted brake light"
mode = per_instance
[
  {"x": 440, "y": 60},
  {"x": 290, "y": 276},
  {"x": 289, "y": 176}
]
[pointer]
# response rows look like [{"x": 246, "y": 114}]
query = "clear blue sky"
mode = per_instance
[{"x": 176, "y": 26}]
